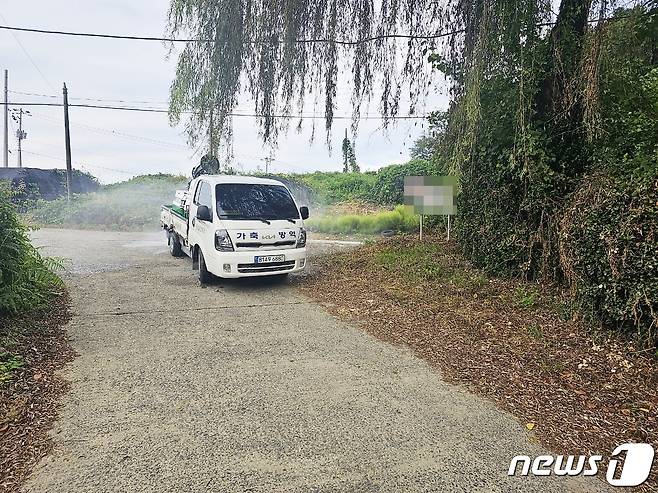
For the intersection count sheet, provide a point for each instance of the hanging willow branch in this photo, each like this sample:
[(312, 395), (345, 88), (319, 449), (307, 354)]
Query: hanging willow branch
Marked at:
[(281, 55), (280, 74)]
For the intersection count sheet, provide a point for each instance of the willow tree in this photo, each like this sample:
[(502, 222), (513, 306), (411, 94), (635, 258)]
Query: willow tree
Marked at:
[(291, 55)]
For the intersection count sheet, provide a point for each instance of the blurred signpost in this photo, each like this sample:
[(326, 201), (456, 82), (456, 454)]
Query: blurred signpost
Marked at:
[(431, 196)]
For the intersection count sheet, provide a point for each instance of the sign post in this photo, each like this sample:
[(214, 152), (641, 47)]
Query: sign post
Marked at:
[(430, 195)]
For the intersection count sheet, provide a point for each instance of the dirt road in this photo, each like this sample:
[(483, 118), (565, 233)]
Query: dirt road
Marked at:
[(247, 386)]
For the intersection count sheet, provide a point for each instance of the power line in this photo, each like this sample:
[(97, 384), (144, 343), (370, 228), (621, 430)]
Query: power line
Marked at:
[(114, 133), (83, 165), (52, 96), (256, 42), (247, 115), (34, 64), (343, 42)]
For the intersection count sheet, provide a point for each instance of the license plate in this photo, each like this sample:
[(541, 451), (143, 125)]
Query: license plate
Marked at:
[(268, 259)]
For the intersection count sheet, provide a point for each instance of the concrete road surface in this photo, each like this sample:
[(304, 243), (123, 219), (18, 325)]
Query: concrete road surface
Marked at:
[(248, 386)]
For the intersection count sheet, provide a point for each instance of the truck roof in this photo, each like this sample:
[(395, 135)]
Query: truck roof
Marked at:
[(219, 179)]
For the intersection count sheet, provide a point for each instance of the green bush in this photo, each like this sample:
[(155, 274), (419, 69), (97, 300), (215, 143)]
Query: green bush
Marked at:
[(27, 280), (399, 219), (388, 187), (130, 205), (608, 238), (330, 188), (570, 199)]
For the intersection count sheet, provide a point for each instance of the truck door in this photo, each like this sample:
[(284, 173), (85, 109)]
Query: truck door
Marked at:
[(201, 232)]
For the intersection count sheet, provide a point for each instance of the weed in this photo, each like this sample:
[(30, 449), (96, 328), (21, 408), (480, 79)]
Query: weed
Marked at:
[(27, 280), (526, 298), (8, 364)]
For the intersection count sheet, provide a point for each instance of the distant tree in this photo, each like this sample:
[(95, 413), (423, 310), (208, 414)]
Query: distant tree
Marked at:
[(349, 156), (425, 147)]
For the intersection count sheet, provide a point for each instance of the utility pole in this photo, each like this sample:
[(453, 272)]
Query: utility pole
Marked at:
[(67, 139), (5, 149), (20, 136), (268, 161)]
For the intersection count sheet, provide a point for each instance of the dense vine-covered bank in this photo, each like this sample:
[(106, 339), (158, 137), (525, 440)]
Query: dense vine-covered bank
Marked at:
[(570, 192)]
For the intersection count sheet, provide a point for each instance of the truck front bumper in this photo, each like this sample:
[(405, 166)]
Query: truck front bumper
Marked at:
[(243, 263)]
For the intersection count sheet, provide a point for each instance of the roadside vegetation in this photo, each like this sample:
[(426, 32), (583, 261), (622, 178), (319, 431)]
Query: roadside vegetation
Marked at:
[(399, 219), (27, 279), (33, 308), (130, 205)]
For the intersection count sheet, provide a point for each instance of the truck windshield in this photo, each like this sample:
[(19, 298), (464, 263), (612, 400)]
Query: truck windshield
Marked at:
[(255, 201)]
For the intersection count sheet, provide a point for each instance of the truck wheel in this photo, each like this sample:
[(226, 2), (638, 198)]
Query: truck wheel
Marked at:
[(174, 245), (205, 277)]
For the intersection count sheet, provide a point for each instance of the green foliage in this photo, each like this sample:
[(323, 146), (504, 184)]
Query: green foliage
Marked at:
[(427, 262), (535, 331), (330, 188), (130, 205), (399, 219), (27, 280), (608, 239), (418, 262), (252, 52), (388, 188), (558, 169), (8, 364), (349, 157), (526, 298)]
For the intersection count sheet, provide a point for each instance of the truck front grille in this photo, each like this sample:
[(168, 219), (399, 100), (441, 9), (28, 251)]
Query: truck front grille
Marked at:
[(272, 267), (257, 244)]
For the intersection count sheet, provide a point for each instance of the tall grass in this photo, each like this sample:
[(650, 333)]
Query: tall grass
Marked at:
[(130, 205), (27, 280), (398, 219)]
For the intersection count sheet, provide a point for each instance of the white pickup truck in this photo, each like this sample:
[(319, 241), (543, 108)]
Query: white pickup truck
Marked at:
[(237, 226)]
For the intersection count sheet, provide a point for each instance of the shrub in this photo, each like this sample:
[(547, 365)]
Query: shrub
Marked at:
[(330, 188), (27, 280), (388, 187), (608, 238)]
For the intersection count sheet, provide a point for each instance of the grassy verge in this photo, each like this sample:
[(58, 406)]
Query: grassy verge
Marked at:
[(575, 390), (399, 219)]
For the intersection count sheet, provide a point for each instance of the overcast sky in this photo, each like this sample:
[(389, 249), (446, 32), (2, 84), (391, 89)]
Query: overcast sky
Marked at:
[(116, 145)]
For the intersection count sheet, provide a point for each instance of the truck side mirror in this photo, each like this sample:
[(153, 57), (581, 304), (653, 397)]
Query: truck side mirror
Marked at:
[(203, 213), (304, 212)]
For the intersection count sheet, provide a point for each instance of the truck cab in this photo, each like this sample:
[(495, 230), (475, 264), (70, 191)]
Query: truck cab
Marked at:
[(238, 226)]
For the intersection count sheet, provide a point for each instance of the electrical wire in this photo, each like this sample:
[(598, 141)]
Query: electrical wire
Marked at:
[(247, 115), (113, 133), (251, 42), (29, 57), (52, 96), (273, 41)]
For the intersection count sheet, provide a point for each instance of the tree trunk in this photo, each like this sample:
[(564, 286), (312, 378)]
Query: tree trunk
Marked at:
[(559, 96)]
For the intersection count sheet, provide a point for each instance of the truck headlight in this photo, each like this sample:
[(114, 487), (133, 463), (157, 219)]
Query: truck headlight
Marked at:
[(301, 241), (223, 241)]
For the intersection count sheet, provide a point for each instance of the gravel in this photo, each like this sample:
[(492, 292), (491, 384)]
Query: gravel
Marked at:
[(249, 386)]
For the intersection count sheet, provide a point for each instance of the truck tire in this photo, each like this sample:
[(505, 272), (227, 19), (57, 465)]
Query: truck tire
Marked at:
[(205, 277), (174, 245)]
